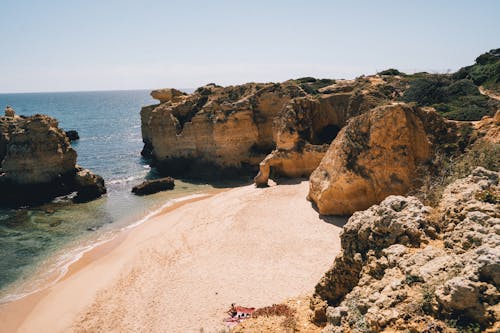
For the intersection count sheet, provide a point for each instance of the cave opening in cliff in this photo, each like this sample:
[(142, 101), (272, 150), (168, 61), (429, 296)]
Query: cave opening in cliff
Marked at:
[(327, 134)]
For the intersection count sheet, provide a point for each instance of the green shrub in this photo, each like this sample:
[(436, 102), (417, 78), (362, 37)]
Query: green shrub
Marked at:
[(486, 71), (392, 72), (445, 169), (427, 90), (456, 99), (311, 85)]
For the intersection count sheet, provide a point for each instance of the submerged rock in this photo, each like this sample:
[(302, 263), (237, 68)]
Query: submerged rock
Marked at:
[(154, 186), (37, 162)]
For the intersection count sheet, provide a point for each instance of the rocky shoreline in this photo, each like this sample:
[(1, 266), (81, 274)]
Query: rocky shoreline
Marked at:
[(38, 164)]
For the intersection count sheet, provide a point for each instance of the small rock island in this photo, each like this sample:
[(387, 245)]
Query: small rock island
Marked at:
[(38, 164)]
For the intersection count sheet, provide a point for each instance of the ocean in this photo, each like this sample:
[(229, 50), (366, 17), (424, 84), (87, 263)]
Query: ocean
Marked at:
[(39, 243)]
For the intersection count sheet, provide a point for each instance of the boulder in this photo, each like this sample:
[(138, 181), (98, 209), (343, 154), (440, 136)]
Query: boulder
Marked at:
[(9, 112), (375, 155), (154, 186), (72, 135), (89, 186), (166, 95)]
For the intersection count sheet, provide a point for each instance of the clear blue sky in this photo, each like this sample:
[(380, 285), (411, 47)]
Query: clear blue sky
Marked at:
[(106, 44)]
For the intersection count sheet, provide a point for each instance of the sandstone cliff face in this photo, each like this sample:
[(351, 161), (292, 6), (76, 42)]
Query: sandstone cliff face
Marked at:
[(404, 267), (36, 150), (236, 127), (227, 127), (315, 121), (375, 155), (38, 163)]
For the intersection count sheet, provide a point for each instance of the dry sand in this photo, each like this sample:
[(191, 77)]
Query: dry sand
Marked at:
[(180, 271)]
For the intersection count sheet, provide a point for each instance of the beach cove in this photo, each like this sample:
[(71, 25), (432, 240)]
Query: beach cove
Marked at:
[(181, 270)]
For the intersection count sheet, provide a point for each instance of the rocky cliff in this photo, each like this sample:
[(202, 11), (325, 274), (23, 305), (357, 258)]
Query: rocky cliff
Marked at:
[(307, 125), (375, 155), (285, 126), (37, 162), (215, 129), (408, 267)]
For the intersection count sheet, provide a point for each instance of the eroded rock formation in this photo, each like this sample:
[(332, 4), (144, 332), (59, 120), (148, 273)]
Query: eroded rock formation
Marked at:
[(375, 155), (284, 126), (215, 129), (405, 267), (37, 162), (315, 120)]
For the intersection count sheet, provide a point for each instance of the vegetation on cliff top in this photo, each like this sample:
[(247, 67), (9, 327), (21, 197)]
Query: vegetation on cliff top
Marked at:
[(456, 96), (485, 72), (312, 85)]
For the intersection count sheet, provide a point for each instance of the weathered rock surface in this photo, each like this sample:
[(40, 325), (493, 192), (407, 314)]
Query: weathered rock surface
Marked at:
[(166, 95), (154, 186), (89, 186), (405, 267), (290, 163), (228, 128), (313, 121), (37, 162), (375, 155), (220, 129), (9, 112), (489, 128)]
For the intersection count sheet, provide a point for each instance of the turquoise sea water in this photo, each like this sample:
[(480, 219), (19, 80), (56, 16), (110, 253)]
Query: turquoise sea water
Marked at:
[(38, 242)]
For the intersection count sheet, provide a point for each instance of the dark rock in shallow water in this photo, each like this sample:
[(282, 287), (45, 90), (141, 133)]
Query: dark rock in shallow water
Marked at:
[(153, 186), (72, 135), (89, 186)]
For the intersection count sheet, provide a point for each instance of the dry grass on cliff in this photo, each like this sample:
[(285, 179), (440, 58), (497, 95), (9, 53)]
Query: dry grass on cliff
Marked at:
[(447, 169)]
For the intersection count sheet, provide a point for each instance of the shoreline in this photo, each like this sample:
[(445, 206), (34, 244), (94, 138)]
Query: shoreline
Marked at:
[(19, 308), (232, 237)]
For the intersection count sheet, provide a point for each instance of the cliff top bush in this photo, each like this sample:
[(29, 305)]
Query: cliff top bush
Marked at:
[(447, 169), (485, 72), (311, 85), (454, 98), (392, 72)]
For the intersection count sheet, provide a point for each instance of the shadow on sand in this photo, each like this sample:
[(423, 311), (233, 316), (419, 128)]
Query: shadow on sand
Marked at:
[(336, 220)]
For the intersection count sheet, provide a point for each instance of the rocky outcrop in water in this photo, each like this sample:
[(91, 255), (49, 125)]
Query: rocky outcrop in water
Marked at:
[(37, 162), (407, 267), (72, 135), (89, 186), (375, 155), (154, 186)]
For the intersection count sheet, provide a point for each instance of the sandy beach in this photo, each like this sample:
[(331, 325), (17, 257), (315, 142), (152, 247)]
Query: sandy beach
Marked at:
[(181, 270)]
